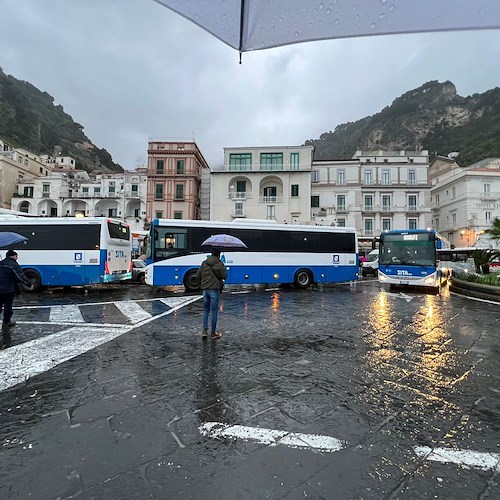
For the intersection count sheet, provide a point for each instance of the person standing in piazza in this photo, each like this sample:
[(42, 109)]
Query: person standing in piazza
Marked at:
[(11, 276)]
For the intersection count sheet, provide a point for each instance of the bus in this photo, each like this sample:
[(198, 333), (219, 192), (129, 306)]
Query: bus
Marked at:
[(64, 251), (456, 259), (277, 253), (409, 258)]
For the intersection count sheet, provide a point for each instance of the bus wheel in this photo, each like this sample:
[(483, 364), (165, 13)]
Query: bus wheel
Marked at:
[(190, 282), (34, 277), (302, 279)]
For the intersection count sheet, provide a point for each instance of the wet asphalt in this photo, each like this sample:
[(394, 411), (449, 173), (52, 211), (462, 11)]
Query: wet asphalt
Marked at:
[(385, 373)]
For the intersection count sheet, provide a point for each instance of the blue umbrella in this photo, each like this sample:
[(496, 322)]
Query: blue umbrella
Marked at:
[(8, 239), (224, 241)]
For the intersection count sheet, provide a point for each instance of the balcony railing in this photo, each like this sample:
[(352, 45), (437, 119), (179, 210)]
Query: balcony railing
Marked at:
[(239, 195), (270, 199)]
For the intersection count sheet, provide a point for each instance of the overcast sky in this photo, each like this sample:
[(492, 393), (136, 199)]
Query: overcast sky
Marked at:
[(130, 70)]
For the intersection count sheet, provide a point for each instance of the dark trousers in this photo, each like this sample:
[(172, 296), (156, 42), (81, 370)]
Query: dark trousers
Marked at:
[(6, 301)]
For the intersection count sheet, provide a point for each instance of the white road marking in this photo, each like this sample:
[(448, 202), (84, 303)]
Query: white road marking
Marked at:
[(272, 437), (67, 314), (132, 311), (20, 362), (466, 458)]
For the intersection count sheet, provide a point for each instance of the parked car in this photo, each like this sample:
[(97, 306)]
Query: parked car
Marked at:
[(138, 271), (370, 266)]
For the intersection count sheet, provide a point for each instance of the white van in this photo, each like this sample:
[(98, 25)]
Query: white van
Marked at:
[(370, 267)]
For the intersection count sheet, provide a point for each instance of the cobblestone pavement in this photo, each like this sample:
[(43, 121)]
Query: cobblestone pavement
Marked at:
[(339, 392)]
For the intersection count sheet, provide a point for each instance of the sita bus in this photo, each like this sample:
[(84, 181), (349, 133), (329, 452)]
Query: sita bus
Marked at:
[(277, 253), (409, 258), (63, 251)]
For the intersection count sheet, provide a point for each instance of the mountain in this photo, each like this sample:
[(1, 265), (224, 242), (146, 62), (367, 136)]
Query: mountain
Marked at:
[(431, 117), (30, 120)]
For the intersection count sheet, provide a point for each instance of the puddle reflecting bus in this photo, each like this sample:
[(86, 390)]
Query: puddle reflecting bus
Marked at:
[(276, 253), (409, 258), (67, 251)]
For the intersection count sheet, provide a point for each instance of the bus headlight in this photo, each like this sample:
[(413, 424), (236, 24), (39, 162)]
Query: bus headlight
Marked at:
[(382, 276), (430, 280)]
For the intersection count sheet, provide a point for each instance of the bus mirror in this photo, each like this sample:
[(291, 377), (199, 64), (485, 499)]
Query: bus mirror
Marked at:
[(156, 234)]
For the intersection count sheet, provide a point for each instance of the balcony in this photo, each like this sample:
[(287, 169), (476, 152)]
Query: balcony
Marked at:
[(491, 196), (238, 214), (239, 195), (270, 199), (367, 208)]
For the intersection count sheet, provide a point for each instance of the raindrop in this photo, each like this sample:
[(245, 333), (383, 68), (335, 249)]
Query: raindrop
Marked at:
[(391, 8), (383, 2), (337, 21), (381, 15), (372, 26), (328, 11), (321, 6)]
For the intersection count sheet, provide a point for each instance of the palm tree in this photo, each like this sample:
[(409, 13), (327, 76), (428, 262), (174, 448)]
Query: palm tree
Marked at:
[(494, 231)]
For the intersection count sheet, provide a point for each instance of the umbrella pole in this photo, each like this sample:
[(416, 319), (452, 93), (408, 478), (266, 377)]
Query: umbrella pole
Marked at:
[(242, 16)]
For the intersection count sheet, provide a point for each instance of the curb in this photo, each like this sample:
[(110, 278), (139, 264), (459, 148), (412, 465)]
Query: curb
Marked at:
[(484, 292)]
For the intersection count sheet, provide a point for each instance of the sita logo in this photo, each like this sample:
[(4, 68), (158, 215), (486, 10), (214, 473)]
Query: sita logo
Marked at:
[(402, 272)]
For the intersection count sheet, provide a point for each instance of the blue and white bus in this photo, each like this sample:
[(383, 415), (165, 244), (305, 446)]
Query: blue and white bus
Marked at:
[(64, 251), (409, 258), (277, 253)]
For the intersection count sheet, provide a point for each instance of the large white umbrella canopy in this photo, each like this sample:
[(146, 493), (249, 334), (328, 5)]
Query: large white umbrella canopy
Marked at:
[(260, 24)]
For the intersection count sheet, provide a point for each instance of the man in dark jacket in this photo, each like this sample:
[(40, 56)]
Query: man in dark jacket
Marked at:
[(211, 276), (11, 275)]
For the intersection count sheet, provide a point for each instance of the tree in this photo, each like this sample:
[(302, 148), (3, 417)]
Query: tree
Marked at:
[(494, 231)]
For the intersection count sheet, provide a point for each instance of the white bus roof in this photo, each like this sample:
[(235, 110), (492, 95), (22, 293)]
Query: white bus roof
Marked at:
[(258, 224), (55, 220)]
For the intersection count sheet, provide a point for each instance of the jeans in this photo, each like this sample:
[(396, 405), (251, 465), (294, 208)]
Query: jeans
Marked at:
[(6, 301), (210, 304)]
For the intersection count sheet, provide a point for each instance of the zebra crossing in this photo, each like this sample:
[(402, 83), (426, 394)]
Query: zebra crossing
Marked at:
[(77, 330)]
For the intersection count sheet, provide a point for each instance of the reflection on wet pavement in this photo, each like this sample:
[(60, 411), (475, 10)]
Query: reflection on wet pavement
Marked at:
[(392, 375)]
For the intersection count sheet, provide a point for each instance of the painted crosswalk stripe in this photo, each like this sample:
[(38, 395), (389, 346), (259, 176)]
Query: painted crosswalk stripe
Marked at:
[(272, 437), (21, 362), (66, 314), (132, 310), (466, 458)]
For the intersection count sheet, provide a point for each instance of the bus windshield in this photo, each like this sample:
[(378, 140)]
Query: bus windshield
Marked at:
[(418, 250)]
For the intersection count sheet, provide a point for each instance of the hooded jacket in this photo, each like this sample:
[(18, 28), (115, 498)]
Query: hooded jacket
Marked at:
[(211, 274), (10, 275)]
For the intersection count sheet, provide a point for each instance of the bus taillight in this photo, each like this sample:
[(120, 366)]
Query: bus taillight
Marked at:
[(106, 268), (130, 267)]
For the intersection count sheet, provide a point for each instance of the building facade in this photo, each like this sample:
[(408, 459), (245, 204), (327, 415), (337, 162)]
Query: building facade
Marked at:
[(464, 200), (271, 183), (174, 179), (374, 191)]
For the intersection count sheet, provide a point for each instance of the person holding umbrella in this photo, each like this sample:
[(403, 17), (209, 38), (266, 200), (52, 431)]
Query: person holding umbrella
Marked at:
[(211, 276), (11, 275)]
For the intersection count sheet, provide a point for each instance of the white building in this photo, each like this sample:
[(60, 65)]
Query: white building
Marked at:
[(69, 192), (263, 183), (374, 191), (465, 200)]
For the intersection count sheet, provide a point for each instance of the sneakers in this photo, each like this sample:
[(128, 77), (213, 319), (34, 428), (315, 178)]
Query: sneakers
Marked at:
[(9, 324), (216, 335), (205, 332)]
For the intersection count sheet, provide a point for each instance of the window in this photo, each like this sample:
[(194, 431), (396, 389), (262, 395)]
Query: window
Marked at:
[(341, 177), (386, 202), (437, 223), (314, 201), (341, 202), (241, 189), (453, 192), (368, 226), (28, 191), (437, 200), (158, 191), (270, 193), (412, 203), (97, 190), (112, 212), (315, 176), (271, 212), (238, 208), (386, 177), (369, 202), (53, 211), (412, 223), (45, 190), (179, 191), (412, 178), (487, 217), (295, 190), (137, 212), (487, 189), (177, 214), (341, 222), (159, 214), (454, 219), (85, 190), (180, 166), (111, 189), (368, 179), (160, 166), (271, 161), (386, 224), (294, 161), (135, 188), (240, 161)]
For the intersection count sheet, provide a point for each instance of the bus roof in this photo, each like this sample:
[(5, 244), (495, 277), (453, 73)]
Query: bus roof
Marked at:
[(258, 224), (57, 220)]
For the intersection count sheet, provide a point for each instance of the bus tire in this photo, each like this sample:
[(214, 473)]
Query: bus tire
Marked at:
[(303, 278), (191, 283), (34, 277)]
